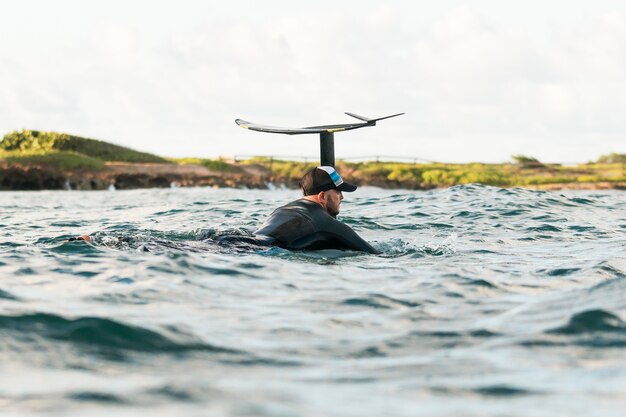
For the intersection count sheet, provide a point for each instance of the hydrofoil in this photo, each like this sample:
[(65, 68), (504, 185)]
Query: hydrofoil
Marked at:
[(326, 132)]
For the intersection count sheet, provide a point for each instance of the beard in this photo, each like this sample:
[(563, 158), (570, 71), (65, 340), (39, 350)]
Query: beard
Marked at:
[(333, 211)]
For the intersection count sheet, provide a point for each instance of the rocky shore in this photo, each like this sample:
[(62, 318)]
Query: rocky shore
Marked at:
[(125, 176)]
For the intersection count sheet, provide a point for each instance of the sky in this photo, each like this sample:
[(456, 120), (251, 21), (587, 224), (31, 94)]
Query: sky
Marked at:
[(479, 80)]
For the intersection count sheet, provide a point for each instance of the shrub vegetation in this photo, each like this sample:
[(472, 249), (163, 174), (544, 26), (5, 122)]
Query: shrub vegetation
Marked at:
[(525, 171), (613, 158), (213, 164)]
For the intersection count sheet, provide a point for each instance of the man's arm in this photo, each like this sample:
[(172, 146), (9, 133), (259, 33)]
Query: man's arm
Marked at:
[(349, 237)]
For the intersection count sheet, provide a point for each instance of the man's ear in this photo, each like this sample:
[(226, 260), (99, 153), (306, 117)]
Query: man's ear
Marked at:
[(320, 196)]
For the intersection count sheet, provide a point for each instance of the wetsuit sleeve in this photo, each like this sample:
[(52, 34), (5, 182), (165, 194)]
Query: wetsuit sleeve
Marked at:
[(349, 237), (286, 225)]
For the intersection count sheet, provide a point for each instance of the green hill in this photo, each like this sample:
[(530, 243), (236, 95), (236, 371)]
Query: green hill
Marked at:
[(33, 143)]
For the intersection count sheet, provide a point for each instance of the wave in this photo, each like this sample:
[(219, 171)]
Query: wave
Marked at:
[(5, 295), (590, 321), (379, 301), (102, 333), (98, 397), (594, 328), (502, 390), (559, 272)]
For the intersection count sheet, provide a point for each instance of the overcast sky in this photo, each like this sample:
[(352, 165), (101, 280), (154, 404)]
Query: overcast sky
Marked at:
[(479, 80)]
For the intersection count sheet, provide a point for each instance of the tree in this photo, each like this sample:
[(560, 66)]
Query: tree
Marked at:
[(527, 161), (613, 158)]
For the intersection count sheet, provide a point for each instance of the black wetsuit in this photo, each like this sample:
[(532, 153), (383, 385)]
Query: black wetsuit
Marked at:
[(304, 224)]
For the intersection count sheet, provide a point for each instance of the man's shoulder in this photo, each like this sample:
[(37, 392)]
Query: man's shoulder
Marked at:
[(297, 208), (302, 202), (287, 223), (306, 209)]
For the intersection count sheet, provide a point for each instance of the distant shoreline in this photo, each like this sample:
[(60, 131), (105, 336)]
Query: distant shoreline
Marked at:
[(35, 160), (124, 176)]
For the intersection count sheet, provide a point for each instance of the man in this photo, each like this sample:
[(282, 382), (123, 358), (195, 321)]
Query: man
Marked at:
[(310, 222)]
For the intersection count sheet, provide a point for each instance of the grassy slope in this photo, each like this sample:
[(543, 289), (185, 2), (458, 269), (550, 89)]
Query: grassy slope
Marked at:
[(66, 151), (65, 161)]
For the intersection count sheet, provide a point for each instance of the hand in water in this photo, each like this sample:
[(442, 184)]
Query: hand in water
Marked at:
[(86, 238)]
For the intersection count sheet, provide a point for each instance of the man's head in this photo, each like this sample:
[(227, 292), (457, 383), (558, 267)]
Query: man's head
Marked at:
[(325, 185)]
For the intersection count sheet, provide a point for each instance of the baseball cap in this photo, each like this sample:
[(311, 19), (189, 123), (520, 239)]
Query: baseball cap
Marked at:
[(324, 178)]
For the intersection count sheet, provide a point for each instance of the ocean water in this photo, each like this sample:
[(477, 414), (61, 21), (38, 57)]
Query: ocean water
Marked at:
[(484, 302)]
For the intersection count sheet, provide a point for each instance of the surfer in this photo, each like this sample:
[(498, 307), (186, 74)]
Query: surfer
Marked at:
[(310, 222)]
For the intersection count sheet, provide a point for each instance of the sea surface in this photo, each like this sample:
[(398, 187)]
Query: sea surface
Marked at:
[(484, 302)]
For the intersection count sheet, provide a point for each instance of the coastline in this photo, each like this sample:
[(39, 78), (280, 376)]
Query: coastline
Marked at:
[(36, 160), (124, 176)]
